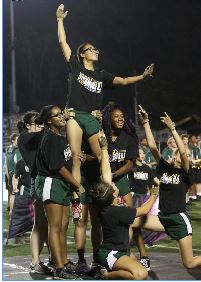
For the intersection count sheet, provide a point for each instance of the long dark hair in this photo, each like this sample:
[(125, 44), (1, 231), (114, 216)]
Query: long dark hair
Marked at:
[(46, 113), (80, 49), (28, 118), (129, 127)]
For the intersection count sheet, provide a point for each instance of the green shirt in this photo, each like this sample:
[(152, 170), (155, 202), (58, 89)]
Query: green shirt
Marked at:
[(12, 157)]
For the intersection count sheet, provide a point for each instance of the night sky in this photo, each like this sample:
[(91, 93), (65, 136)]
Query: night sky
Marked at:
[(130, 34)]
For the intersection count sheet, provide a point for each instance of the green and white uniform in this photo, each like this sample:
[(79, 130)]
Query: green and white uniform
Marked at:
[(54, 153)]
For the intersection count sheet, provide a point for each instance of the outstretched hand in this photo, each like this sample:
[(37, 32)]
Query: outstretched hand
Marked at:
[(60, 14), (148, 71), (102, 140), (167, 120), (143, 115)]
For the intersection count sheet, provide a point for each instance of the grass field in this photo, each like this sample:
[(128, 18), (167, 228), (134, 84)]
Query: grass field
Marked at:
[(162, 246)]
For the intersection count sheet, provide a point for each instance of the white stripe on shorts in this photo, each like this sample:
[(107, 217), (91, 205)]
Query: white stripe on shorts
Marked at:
[(46, 188), (111, 259), (187, 221), (21, 190)]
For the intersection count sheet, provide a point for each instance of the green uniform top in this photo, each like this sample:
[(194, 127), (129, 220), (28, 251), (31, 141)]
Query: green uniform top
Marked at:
[(167, 153), (12, 157)]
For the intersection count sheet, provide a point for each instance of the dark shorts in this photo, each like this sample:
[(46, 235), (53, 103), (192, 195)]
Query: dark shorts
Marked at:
[(177, 225), (107, 258), (87, 122), (52, 190), (123, 185), (86, 197)]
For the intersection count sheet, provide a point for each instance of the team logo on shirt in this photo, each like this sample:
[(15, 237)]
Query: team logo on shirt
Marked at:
[(118, 156), (26, 168), (67, 154), (140, 175), (90, 83), (170, 179)]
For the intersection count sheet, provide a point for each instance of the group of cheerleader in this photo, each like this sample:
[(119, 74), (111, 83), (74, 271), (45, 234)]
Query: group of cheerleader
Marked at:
[(90, 160)]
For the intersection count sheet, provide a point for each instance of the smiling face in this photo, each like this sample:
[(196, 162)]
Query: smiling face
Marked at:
[(141, 156), (117, 119), (89, 53), (56, 119)]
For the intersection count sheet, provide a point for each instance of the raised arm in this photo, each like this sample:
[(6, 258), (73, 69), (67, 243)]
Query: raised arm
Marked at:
[(105, 163), (61, 32), (133, 79), (143, 116), (182, 150)]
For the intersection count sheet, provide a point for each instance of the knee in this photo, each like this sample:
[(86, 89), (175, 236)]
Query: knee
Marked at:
[(55, 228), (141, 274), (81, 223), (188, 264)]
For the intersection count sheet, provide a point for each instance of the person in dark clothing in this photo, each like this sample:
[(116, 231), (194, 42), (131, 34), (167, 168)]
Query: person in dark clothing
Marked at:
[(30, 134), (86, 84), (123, 147), (54, 183), (175, 179), (115, 221)]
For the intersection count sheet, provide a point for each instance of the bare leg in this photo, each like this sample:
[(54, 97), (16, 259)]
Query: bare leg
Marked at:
[(54, 214), (74, 135), (63, 234), (94, 145), (80, 229), (137, 235), (125, 268), (149, 222), (185, 247), (39, 232)]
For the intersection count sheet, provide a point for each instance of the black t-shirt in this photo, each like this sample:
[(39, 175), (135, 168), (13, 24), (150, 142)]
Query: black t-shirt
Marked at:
[(115, 221), (22, 171), (85, 86), (28, 145), (141, 178), (53, 153), (123, 148), (174, 183)]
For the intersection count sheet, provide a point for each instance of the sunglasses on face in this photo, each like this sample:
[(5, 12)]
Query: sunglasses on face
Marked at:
[(37, 125), (57, 115), (92, 49)]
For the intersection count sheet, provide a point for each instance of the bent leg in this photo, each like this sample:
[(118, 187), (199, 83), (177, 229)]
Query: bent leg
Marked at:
[(185, 247), (149, 222), (127, 268)]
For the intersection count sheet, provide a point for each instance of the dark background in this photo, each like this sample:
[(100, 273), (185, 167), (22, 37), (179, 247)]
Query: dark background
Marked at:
[(130, 34)]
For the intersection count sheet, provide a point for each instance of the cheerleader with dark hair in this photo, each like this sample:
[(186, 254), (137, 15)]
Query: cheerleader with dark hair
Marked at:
[(31, 130), (53, 185), (122, 146), (86, 84)]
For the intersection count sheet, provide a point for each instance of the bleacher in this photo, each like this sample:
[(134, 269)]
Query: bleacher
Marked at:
[(10, 126)]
